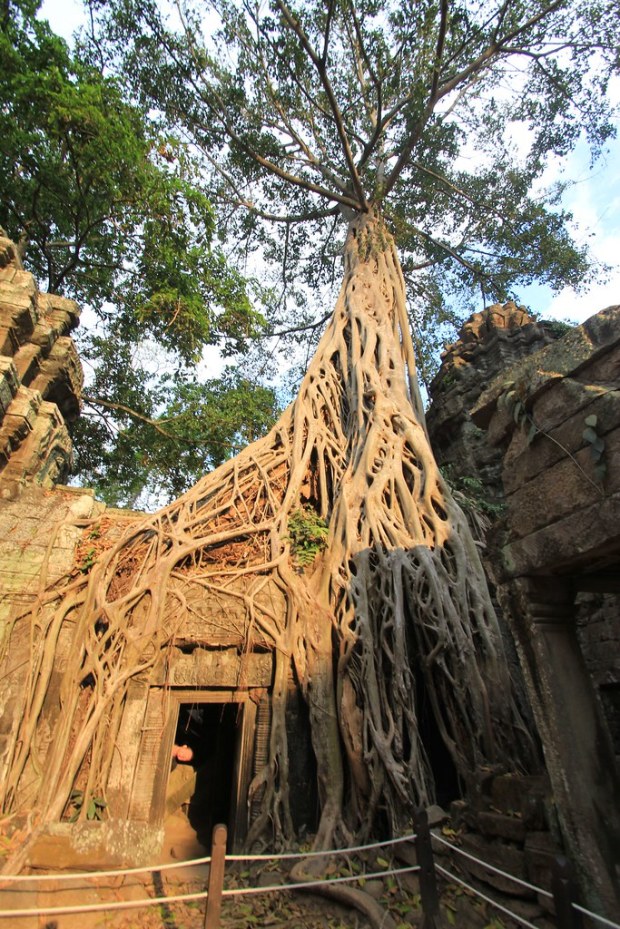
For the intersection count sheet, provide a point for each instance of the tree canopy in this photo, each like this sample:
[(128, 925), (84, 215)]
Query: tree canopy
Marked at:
[(108, 209), (441, 115)]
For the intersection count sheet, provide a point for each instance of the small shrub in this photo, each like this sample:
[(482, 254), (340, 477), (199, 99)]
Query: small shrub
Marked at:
[(307, 535)]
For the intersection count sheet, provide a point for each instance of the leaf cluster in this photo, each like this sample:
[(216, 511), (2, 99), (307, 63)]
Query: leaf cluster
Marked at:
[(441, 115), (95, 807), (308, 534), (148, 436)]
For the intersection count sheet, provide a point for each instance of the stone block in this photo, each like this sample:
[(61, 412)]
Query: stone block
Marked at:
[(62, 313), (524, 462), (96, 846), (563, 489), (580, 538), (507, 858), (540, 850), (217, 668), (509, 792), (9, 258), (8, 343), (511, 828), (60, 378), (9, 382), (44, 335), (27, 362), (18, 309)]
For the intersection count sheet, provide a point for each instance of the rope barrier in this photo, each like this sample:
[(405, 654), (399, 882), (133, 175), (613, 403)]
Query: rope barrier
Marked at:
[(103, 907), (478, 893), (490, 867), (241, 891), (201, 895), (333, 851), (600, 919), (300, 885), (17, 878)]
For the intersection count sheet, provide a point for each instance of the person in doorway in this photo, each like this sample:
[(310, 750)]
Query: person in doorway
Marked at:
[(183, 753)]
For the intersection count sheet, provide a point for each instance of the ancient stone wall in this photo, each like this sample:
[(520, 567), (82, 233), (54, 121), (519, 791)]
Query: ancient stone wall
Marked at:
[(40, 379), (555, 416), (40, 383), (550, 427), (489, 342)]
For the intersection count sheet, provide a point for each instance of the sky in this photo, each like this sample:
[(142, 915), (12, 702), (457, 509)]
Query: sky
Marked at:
[(593, 199)]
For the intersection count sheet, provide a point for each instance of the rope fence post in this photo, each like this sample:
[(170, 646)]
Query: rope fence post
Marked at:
[(563, 888), (428, 878), (216, 877)]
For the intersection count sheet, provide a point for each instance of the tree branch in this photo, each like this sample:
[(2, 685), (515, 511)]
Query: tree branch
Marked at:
[(320, 65), (430, 106)]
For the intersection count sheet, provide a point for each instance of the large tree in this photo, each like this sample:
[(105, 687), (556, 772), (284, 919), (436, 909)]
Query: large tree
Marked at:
[(356, 126)]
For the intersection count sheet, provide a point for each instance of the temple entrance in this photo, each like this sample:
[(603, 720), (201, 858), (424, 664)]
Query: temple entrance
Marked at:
[(212, 733)]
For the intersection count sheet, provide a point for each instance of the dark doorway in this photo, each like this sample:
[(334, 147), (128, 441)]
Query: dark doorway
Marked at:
[(444, 771), (212, 731)]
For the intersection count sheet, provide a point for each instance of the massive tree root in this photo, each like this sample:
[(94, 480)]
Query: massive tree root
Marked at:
[(396, 602)]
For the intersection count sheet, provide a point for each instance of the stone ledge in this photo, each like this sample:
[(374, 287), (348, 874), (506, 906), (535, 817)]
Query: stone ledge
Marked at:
[(97, 846)]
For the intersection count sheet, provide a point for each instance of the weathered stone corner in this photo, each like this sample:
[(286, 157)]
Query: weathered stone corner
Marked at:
[(40, 379)]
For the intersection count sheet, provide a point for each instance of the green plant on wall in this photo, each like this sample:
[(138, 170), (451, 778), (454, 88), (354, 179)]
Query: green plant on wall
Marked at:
[(514, 404), (94, 811), (473, 495), (597, 446), (307, 535)]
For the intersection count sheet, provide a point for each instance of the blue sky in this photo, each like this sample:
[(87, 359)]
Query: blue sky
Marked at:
[(594, 200)]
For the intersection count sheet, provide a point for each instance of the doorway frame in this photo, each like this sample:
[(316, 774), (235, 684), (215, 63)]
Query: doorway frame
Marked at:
[(242, 761)]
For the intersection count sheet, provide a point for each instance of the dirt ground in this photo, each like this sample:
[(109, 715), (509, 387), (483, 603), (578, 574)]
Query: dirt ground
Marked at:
[(398, 895)]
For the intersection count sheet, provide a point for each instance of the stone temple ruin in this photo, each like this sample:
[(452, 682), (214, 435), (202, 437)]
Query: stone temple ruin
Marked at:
[(537, 420), (510, 406)]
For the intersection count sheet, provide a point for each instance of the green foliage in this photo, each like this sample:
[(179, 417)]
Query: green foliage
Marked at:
[(558, 327), (157, 435), (107, 207), (596, 444), (95, 810), (294, 116), (308, 534), (304, 112), (472, 494)]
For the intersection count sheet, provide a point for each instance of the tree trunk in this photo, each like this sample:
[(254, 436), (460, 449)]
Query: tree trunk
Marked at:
[(395, 605)]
